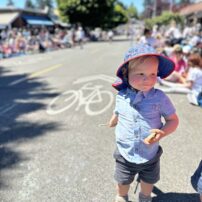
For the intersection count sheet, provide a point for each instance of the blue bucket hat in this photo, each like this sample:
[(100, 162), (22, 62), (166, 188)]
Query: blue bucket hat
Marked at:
[(165, 68)]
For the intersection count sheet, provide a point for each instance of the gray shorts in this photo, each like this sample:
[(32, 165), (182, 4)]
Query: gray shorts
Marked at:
[(148, 172)]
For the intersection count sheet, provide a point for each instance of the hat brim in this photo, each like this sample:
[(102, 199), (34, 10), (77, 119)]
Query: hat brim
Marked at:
[(120, 84), (165, 68)]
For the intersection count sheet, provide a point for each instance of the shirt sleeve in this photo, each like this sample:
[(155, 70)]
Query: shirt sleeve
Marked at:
[(167, 107), (119, 101), (191, 75), (116, 109)]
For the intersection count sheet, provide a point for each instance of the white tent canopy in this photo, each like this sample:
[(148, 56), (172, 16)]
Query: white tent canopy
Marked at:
[(7, 18)]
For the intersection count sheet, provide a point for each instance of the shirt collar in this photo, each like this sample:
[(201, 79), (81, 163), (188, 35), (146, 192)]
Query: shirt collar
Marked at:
[(149, 93), (144, 93)]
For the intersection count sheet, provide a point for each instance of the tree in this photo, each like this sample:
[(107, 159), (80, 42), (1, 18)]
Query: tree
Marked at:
[(120, 15), (29, 4), (164, 19), (90, 13), (132, 11), (10, 3), (43, 3)]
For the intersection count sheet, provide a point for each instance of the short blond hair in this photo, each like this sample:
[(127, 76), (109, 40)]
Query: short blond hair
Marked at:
[(135, 62)]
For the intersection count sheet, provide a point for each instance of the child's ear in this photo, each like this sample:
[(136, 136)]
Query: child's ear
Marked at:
[(125, 72)]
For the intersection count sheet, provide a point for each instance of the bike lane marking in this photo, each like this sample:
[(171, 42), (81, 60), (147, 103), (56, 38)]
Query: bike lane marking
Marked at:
[(35, 74), (94, 97)]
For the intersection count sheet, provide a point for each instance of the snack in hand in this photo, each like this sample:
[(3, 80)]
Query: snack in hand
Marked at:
[(150, 138)]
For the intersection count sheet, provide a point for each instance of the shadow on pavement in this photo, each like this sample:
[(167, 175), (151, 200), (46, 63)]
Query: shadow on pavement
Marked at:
[(174, 197), (18, 100)]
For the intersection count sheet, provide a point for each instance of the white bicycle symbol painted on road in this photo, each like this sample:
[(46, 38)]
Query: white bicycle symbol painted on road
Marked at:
[(94, 98)]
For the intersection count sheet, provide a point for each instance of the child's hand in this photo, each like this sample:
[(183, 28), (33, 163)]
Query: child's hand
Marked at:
[(113, 121), (155, 136)]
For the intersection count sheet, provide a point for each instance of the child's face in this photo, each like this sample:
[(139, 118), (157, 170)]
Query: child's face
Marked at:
[(179, 56), (143, 76)]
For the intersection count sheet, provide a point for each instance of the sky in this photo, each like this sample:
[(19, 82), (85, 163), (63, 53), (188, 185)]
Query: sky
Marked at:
[(136, 3)]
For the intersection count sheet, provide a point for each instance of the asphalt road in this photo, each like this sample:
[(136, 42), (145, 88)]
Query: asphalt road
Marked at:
[(54, 144)]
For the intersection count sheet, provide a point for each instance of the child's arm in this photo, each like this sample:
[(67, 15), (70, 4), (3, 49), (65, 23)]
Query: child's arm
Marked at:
[(113, 121), (169, 127), (171, 124)]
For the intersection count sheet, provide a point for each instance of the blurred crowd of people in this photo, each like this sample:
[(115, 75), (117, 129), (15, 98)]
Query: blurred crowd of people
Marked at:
[(184, 47), (163, 38), (20, 41), (16, 41)]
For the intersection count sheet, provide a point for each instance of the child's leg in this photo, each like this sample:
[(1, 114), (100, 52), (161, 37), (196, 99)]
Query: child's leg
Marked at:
[(201, 197), (122, 190), (146, 188), (122, 193), (145, 192), (124, 175), (149, 175)]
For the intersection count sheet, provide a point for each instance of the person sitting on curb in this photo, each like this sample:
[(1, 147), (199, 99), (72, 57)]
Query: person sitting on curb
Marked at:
[(193, 84), (179, 74)]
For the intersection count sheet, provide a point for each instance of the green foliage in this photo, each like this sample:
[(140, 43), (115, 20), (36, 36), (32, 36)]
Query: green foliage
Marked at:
[(119, 15), (91, 13), (43, 3), (29, 4), (132, 11), (164, 19), (95, 13)]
